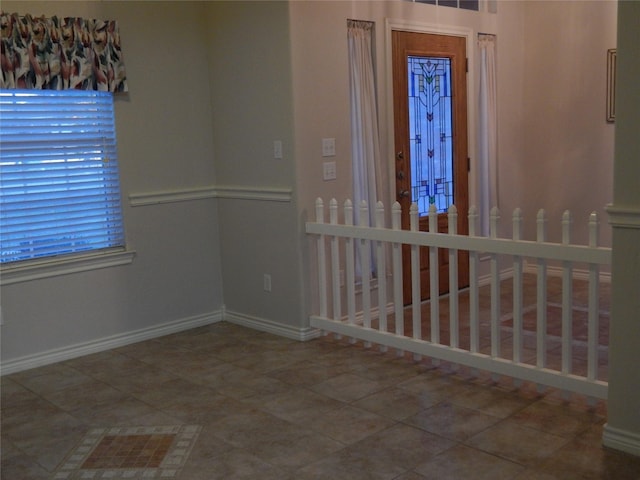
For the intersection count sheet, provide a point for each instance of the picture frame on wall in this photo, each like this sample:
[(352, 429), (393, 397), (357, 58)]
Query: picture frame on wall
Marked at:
[(611, 85)]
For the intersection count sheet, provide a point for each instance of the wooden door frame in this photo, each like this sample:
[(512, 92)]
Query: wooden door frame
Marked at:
[(469, 36)]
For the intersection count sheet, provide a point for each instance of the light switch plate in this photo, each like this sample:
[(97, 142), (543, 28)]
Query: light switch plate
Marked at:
[(328, 147), (329, 171)]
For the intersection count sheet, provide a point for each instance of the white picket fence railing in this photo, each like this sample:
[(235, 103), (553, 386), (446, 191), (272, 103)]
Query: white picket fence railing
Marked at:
[(370, 320)]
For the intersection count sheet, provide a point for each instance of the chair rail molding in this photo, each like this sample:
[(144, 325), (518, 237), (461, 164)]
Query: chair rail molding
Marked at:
[(238, 192), (244, 192), (622, 216)]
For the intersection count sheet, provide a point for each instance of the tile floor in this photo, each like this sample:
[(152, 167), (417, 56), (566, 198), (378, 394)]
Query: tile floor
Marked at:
[(265, 407)]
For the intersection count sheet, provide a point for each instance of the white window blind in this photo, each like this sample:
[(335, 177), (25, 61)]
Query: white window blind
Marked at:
[(59, 182)]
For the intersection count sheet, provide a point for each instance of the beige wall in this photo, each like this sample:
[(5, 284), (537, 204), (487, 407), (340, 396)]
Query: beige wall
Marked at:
[(250, 73), (511, 113), (568, 145), (250, 70)]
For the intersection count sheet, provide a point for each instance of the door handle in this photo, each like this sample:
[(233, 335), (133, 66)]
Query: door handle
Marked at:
[(399, 155), (404, 194)]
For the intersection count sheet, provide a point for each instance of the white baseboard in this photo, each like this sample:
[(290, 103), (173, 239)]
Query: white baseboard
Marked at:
[(622, 440), (375, 314), (553, 271), (577, 273), (484, 280), (94, 346), (269, 326)]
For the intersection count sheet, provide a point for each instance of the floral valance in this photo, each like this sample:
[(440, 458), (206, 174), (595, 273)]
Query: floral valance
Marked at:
[(61, 53)]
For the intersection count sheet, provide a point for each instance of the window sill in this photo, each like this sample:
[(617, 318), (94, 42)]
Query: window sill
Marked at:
[(64, 266)]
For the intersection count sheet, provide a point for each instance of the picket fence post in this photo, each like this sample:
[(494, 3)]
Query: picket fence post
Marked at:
[(381, 274), (396, 224)]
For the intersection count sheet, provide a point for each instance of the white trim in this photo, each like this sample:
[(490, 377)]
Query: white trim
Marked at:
[(437, 29), (554, 271), (269, 326), (107, 343), (375, 314), (623, 217), (504, 274), (171, 196), (254, 193), (53, 267), (622, 440), (215, 191), (532, 268), (423, 27)]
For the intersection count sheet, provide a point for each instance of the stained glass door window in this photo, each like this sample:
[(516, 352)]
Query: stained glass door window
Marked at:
[(430, 132)]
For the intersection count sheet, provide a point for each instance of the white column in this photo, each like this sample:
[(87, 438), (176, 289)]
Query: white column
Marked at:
[(622, 430)]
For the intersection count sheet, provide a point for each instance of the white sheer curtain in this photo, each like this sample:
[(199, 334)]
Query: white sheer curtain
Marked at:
[(488, 131), (365, 147)]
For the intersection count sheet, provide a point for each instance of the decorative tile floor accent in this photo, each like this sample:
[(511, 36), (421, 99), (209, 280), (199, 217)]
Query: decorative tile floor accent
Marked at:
[(130, 453)]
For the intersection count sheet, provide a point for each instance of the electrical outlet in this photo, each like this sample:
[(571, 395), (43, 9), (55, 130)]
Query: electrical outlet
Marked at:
[(266, 282)]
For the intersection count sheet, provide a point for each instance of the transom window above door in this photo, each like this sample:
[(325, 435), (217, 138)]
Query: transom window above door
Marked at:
[(464, 4)]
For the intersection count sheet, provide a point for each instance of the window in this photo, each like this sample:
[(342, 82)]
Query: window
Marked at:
[(431, 132), (464, 4), (59, 182)]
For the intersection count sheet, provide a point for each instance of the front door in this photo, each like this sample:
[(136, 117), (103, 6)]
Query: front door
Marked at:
[(430, 128)]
